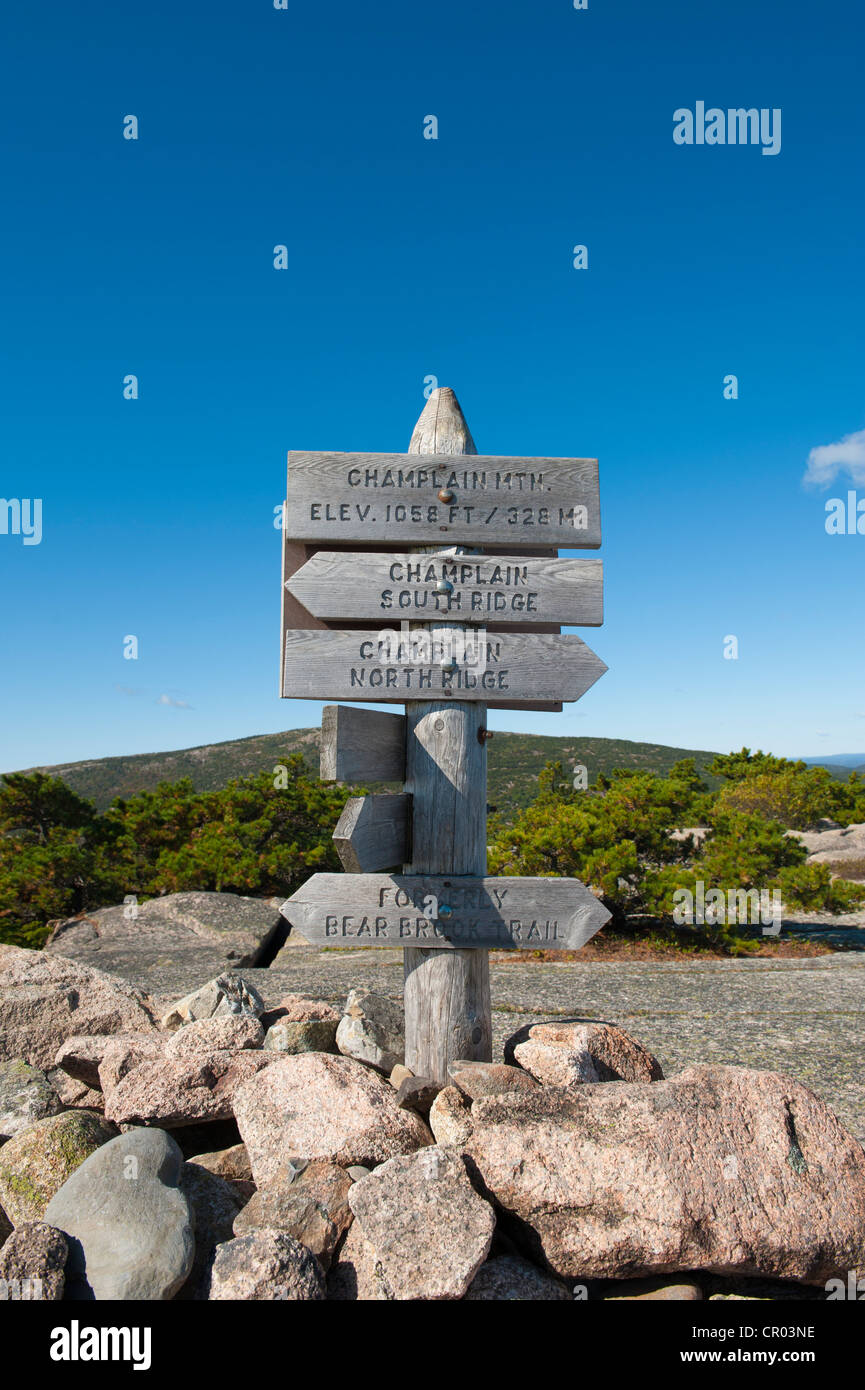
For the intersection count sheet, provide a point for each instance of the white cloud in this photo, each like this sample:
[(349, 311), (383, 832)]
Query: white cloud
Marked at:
[(828, 460), (174, 704)]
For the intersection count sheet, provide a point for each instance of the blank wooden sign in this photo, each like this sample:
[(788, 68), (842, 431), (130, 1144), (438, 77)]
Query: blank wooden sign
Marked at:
[(447, 912), (427, 499), (389, 665), (343, 586), (362, 745)]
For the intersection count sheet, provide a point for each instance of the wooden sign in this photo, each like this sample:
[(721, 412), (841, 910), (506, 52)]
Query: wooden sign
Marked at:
[(436, 663), (361, 745), (450, 913), (447, 500), (297, 618), (347, 585), (374, 832)]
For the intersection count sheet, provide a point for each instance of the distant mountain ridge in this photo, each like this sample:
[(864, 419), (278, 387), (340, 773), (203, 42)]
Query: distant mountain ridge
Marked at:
[(514, 763), (841, 764)]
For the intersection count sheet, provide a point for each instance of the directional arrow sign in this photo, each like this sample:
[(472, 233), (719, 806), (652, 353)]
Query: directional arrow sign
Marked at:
[(429, 498), (451, 913), (373, 832), (343, 586), (390, 665)]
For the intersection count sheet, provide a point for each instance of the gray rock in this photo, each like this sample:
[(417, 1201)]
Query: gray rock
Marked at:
[(39, 1160), (215, 1204), (129, 1225), (33, 1263), (508, 1278), (417, 1093), (372, 1030), (309, 1035), (831, 842), (267, 1266), (227, 994), (183, 936), (45, 999), (428, 1228), (26, 1095)]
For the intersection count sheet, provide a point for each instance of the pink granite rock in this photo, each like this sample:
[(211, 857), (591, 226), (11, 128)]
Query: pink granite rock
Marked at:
[(81, 1056), (312, 1206), (295, 1008), (227, 1033), (476, 1079), (429, 1230), (719, 1168), (45, 999), (312, 1105), (450, 1117), (175, 1091), (570, 1054), (265, 1266)]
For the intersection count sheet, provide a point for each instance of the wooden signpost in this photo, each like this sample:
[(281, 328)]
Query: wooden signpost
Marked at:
[(466, 596)]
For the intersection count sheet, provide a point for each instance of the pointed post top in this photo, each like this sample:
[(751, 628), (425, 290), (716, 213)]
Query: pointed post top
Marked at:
[(441, 426)]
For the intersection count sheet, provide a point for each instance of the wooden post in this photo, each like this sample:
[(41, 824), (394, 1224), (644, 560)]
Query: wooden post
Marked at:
[(447, 993)]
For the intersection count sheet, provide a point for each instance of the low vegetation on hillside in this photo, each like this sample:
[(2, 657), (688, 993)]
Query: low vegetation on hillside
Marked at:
[(263, 835), (514, 763), (618, 836), (60, 856)]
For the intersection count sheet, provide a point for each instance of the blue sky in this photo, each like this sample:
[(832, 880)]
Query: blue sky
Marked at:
[(410, 257)]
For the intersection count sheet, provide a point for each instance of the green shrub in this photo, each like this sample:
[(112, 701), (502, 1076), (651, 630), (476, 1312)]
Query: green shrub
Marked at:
[(811, 888), (59, 857)]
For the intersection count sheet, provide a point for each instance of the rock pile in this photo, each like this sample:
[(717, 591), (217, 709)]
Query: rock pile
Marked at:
[(571, 1169)]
